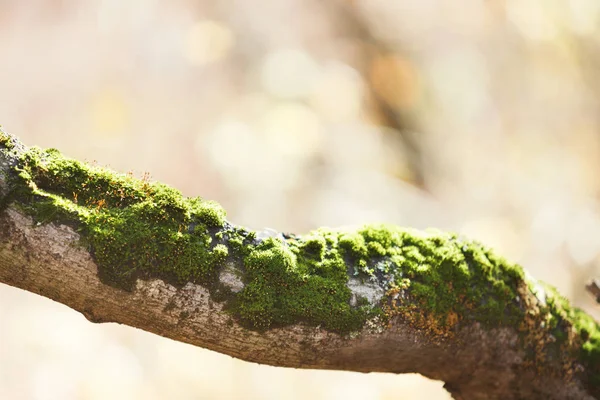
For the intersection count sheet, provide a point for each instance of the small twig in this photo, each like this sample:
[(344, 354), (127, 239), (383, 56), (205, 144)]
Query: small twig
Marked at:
[(594, 288)]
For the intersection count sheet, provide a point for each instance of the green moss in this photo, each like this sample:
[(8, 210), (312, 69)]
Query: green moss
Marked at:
[(298, 281), (572, 325), (5, 141), (440, 272), (440, 281), (134, 228)]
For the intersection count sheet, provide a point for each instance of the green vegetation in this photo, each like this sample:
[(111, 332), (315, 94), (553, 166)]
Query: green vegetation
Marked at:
[(441, 272), (133, 227), (572, 326), (299, 281), (438, 281)]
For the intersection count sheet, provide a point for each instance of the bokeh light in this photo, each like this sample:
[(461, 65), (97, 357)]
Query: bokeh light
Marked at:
[(294, 114)]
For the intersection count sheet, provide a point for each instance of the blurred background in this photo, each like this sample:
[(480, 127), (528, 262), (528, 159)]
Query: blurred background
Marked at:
[(294, 114)]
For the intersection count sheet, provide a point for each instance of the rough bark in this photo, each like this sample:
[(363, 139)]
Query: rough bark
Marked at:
[(475, 360)]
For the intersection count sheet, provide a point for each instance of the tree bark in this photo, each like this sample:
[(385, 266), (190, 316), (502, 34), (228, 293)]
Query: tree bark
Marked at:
[(476, 360)]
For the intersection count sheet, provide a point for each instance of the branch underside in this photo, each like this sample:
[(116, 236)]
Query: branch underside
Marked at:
[(374, 299)]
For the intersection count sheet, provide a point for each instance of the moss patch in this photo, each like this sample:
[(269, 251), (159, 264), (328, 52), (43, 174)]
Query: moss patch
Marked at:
[(575, 332), (134, 228), (302, 280), (439, 272), (441, 281)]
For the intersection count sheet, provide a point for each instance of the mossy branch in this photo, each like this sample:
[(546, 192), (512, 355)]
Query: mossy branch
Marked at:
[(373, 299)]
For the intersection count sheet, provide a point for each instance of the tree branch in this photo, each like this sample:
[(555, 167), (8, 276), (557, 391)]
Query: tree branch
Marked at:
[(594, 289), (374, 299)]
